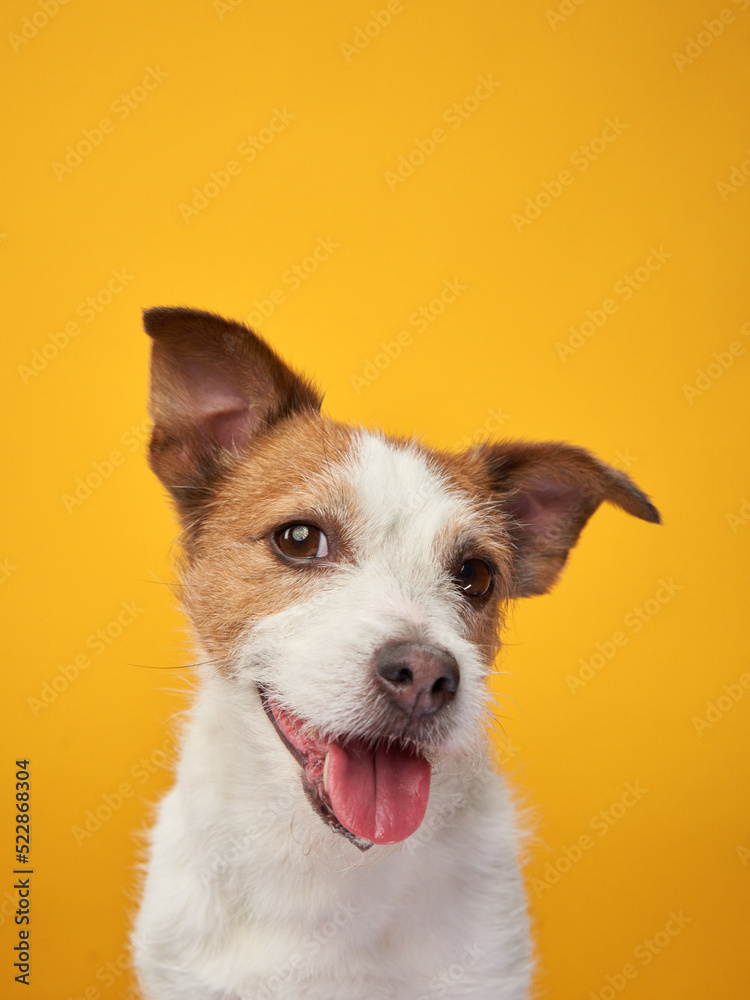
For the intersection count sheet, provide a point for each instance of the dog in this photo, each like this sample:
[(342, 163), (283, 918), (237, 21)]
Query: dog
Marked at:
[(337, 830)]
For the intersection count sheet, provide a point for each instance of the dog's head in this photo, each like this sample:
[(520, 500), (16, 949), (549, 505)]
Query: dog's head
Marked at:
[(355, 580)]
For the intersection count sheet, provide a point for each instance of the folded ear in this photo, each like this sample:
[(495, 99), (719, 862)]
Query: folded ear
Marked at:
[(549, 491), (215, 385)]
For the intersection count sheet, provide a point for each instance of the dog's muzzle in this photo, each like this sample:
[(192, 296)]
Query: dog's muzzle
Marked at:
[(375, 790)]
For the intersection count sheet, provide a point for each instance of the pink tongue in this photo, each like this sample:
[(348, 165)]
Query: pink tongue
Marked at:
[(379, 796)]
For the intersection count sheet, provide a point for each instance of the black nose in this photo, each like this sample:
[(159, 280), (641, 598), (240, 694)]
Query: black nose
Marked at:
[(417, 678)]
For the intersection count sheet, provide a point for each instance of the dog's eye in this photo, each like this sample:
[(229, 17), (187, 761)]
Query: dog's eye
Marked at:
[(302, 541), (474, 577)]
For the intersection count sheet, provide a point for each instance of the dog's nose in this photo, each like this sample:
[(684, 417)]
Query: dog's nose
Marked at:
[(417, 678)]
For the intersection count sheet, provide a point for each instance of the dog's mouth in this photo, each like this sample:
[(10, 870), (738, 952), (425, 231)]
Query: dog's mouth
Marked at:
[(371, 794)]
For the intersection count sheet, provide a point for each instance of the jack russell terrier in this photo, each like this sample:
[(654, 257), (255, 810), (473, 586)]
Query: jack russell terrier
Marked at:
[(336, 830)]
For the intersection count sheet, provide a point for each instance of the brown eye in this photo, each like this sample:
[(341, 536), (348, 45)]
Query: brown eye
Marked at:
[(302, 541), (474, 577)]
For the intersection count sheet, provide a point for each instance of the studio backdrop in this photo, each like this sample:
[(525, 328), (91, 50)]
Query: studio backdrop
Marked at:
[(465, 221)]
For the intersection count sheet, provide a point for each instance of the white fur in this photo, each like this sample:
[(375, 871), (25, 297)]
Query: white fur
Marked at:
[(249, 894)]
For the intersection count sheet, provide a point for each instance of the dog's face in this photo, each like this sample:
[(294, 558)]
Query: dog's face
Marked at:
[(355, 582)]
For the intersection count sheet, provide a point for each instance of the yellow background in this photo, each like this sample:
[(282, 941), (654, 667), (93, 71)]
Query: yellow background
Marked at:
[(491, 361)]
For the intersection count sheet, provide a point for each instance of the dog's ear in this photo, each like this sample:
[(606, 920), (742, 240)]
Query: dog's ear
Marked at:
[(549, 491), (215, 385)]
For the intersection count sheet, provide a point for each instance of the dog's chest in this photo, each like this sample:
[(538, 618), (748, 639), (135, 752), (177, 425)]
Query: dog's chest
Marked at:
[(284, 909), (426, 918)]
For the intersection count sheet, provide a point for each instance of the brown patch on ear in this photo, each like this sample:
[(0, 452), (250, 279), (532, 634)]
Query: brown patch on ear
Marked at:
[(550, 490), (215, 385)]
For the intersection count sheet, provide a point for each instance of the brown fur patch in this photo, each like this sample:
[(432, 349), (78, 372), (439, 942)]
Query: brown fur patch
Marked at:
[(484, 618), (232, 576)]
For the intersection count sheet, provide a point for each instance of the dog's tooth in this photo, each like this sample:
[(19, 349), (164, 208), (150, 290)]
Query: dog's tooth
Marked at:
[(325, 772)]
